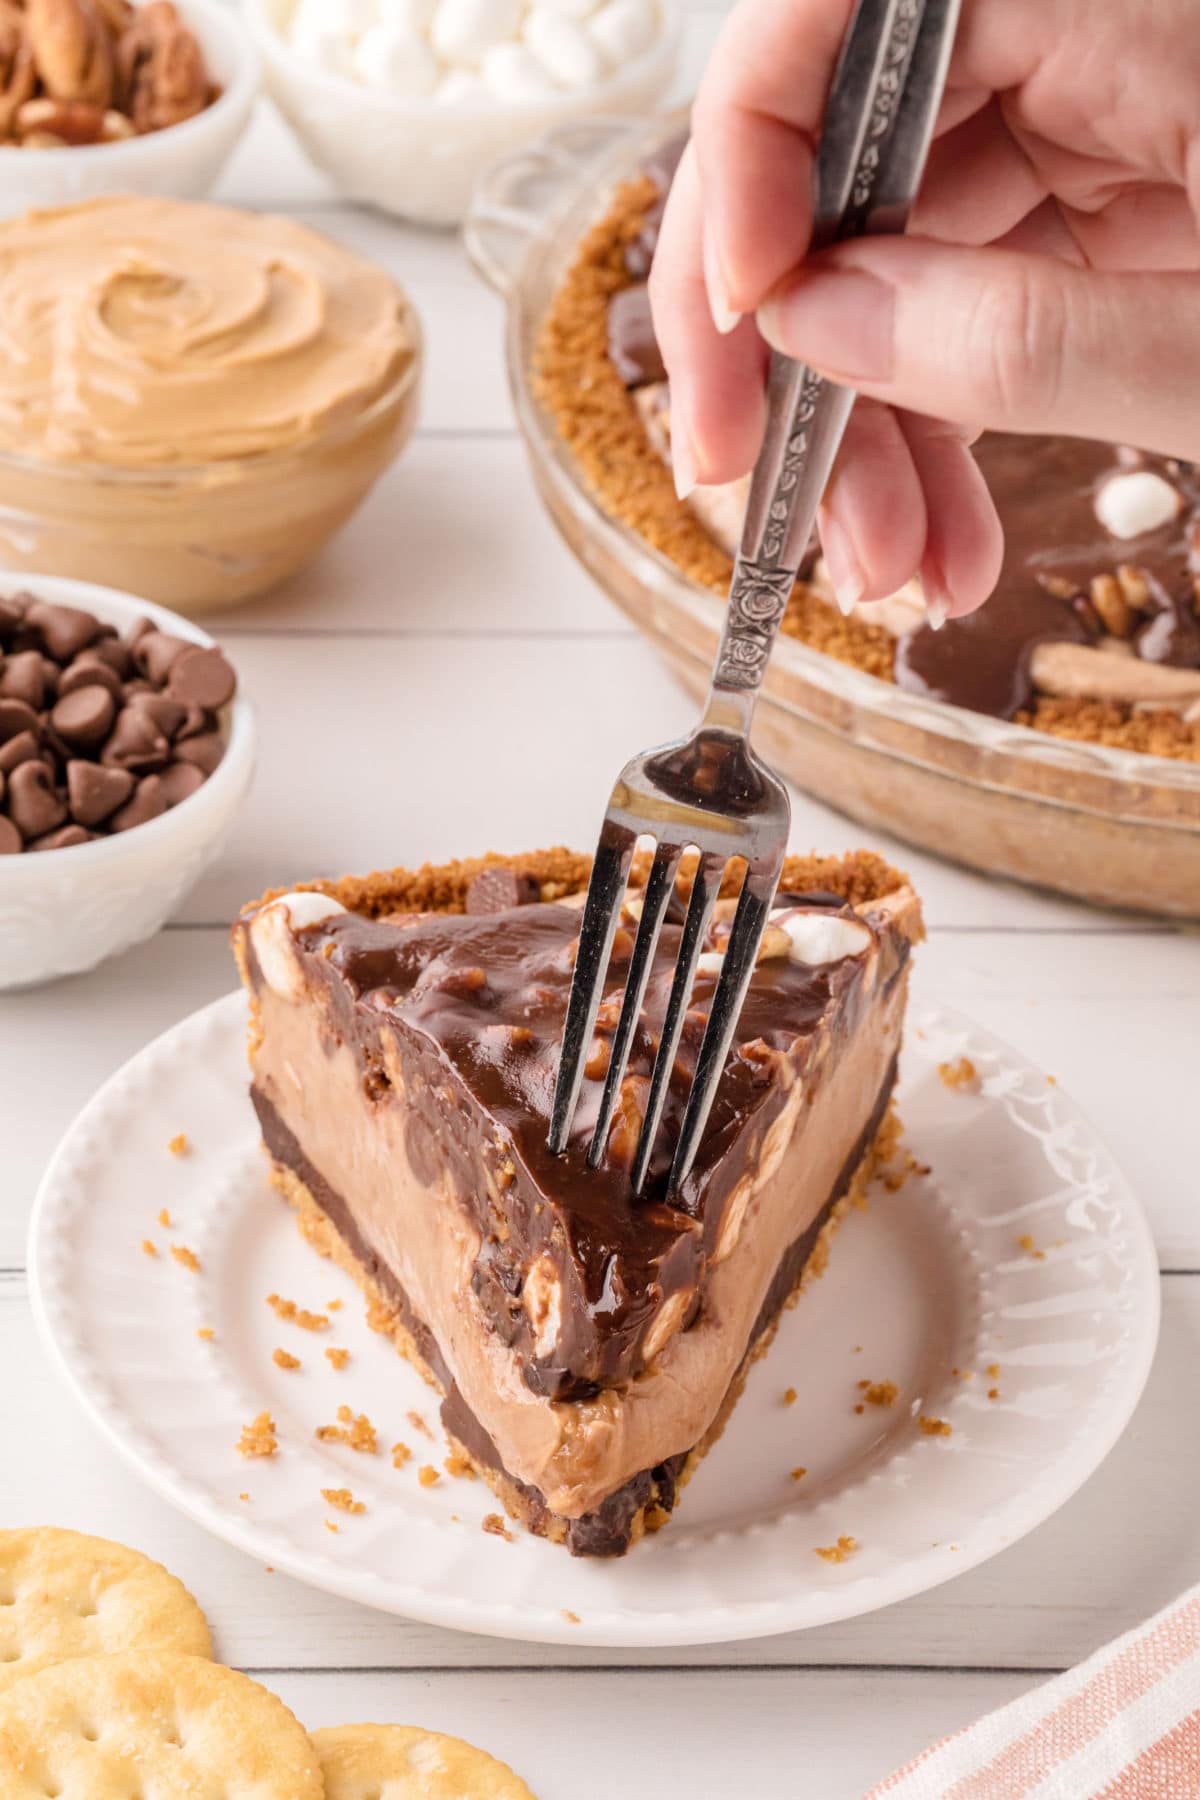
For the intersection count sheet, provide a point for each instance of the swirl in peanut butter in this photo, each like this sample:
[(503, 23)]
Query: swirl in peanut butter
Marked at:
[(136, 333)]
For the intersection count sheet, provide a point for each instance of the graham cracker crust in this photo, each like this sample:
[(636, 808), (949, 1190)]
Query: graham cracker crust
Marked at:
[(521, 1502)]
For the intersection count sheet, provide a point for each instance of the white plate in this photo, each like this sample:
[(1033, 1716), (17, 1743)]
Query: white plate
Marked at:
[(926, 1281)]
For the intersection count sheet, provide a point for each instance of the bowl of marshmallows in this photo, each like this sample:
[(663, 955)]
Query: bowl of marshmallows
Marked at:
[(404, 102)]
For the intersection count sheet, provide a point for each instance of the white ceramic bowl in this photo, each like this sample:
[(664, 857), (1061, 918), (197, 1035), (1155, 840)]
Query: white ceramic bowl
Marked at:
[(62, 911), (421, 158), (183, 160)]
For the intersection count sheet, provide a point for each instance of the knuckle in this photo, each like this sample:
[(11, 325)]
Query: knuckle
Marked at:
[(1016, 343)]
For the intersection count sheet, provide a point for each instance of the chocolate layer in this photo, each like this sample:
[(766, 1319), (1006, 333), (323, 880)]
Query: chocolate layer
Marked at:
[(484, 998), (607, 1530)]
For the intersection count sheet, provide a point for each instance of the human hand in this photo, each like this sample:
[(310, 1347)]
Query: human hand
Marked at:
[(1050, 281)]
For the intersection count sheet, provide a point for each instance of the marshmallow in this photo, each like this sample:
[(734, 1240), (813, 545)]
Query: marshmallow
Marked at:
[(271, 931), (460, 85), (710, 962), (624, 29), (325, 46), (406, 15), (464, 30), (340, 18), (821, 937), (1135, 502), (564, 47), (400, 61), (514, 74), (570, 9)]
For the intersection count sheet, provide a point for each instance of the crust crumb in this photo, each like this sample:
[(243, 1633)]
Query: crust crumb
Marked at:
[(1026, 1243), (572, 1618), (258, 1438), (178, 1145), (206, 1334), (330, 1526), (291, 1314), (790, 1397), (149, 1248), (840, 1552), (187, 1257), (799, 1473), (337, 1356), (494, 1523), (164, 1219), (333, 1305), (961, 1074), (427, 1475), (934, 1427), (878, 1393), (400, 1455), (283, 1359), (343, 1499), (416, 1420), (993, 1393), (358, 1432), (461, 1466), (993, 1370), (243, 1496)]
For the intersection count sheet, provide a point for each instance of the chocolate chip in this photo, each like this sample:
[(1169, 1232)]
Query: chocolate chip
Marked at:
[(89, 670), (139, 685), (198, 720), (33, 805), (94, 792), (202, 678), (147, 803), (15, 717), (65, 838), (138, 630), (117, 655), (10, 837), (155, 652), (497, 889), (167, 714), (23, 678), (84, 719), (22, 748), (136, 742), (205, 751), (64, 630), (12, 617), (179, 781)]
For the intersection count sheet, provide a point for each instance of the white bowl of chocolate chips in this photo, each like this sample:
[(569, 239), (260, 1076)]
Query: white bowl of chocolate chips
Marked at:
[(124, 755)]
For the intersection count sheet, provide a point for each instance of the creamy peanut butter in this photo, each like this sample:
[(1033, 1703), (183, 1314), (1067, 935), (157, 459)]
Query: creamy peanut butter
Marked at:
[(141, 332), (192, 398)]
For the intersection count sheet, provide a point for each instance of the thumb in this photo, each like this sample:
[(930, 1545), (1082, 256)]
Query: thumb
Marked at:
[(1000, 338)]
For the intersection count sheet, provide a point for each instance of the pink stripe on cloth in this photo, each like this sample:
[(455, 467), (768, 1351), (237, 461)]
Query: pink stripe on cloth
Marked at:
[(1052, 1725), (1168, 1770)]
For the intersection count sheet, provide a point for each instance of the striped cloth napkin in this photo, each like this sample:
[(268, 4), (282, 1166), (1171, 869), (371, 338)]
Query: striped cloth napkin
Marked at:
[(1125, 1725)]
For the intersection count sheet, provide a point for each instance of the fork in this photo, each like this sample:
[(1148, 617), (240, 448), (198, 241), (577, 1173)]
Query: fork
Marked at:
[(709, 792)]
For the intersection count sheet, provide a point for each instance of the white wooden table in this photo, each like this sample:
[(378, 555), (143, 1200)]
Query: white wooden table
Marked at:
[(426, 691)]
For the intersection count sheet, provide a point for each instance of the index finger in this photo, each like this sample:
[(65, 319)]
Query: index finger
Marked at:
[(755, 127)]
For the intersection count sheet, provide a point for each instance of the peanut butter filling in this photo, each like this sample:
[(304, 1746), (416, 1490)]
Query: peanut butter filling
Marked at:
[(141, 333)]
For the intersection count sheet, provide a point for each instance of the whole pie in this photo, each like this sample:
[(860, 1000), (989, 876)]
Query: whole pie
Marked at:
[(1092, 632), (588, 1345)]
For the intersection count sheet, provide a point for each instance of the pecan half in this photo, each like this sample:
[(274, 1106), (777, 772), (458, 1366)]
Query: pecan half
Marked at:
[(18, 77), (72, 49), (161, 71)]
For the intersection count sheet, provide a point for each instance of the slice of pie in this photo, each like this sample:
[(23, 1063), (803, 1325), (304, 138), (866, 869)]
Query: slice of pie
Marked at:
[(588, 1345)]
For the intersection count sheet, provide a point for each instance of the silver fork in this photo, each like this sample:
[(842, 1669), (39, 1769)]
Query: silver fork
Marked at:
[(709, 792)]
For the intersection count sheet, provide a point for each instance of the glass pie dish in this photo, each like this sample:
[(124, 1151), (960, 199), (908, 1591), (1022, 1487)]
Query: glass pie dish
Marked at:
[(1110, 826)]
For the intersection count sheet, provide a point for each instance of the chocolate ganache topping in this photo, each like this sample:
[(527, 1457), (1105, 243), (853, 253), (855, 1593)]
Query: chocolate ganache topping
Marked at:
[(1049, 492), (487, 997)]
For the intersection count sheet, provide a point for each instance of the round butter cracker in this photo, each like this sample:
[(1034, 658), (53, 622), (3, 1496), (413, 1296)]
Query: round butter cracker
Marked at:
[(152, 1724), (63, 1595), (401, 1762)]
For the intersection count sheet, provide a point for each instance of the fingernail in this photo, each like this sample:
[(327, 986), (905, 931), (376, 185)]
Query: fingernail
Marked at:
[(839, 320), (683, 456), (845, 571), (724, 316), (937, 600)]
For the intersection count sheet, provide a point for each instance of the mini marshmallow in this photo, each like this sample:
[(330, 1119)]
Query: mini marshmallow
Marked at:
[(1135, 502), (564, 47), (271, 931), (624, 29), (325, 46), (570, 9), (514, 74), (399, 61), (710, 962), (464, 30), (406, 15), (340, 18), (460, 85), (821, 937)]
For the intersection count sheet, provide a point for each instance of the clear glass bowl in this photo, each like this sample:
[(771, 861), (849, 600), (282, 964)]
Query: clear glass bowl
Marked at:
[(204, 536), (1108, 826)]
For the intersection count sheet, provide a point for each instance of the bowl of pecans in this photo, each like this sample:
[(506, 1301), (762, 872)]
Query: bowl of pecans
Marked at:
[(103, 96), (126, 752)]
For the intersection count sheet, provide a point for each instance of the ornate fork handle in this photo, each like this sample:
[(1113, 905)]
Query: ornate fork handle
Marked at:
[(867, 172)]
